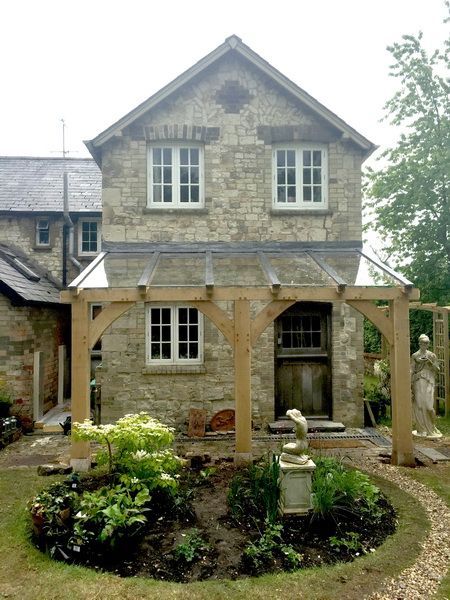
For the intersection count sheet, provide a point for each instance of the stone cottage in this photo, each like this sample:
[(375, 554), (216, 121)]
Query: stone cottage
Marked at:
[(231, 155), (50, 229)]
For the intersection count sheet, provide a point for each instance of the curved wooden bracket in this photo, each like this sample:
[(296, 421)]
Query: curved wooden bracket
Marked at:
[(266, 316), (378, 317), (218, 316), (108, 315)]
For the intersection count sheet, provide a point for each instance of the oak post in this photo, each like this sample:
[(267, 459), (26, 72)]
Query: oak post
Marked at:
[(242, 381), (402, 441), (80, 453)]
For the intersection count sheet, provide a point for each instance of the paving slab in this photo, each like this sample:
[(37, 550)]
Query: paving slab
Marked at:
[(433, 454)]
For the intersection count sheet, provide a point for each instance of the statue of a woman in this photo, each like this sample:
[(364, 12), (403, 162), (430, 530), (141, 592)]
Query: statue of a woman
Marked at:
[(294, 452), (424, 367)]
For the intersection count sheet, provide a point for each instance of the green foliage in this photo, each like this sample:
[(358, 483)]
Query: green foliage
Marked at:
[(142, 463), (351, 542), (372, 337), (193, 547), (254, 492), (137, 446), (337, 489), (408, 201), (109, 514), (259, 555)]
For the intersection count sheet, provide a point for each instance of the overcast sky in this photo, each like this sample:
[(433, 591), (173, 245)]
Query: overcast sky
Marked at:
[(92, 61)]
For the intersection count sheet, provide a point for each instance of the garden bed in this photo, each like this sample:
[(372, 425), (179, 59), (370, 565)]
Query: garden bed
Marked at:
[(144, 519)]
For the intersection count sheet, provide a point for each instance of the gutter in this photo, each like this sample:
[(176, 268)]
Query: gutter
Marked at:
[(69, 227)]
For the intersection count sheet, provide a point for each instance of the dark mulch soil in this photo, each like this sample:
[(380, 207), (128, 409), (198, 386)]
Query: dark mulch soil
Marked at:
[(205, 511)]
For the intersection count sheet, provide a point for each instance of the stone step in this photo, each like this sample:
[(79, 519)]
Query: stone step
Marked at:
[(433, 454), (314, 426)]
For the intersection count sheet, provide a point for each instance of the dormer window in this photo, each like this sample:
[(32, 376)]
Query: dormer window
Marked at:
[(300, 177), (42, 233), (175, 177)]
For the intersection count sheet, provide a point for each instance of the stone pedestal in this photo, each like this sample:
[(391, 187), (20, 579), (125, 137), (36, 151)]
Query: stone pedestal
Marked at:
[(295, 487)]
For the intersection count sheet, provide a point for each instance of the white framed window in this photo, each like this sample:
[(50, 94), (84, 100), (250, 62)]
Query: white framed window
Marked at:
[(88, 236), (300, 177), (174, 335), (43, 233), (175, 176)]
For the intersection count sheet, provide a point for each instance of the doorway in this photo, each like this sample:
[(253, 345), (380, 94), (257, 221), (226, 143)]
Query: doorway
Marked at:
[(303, 360)]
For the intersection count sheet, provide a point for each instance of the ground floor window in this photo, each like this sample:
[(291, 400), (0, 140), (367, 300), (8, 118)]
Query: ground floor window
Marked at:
[(174, 335)]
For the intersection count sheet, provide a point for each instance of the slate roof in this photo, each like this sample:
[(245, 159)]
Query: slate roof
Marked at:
[(23, 280), (34, 184)]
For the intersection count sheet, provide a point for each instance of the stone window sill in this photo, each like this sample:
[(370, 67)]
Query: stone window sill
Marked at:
[(42, 248), (173, 369), (176, 211), (317, 212)]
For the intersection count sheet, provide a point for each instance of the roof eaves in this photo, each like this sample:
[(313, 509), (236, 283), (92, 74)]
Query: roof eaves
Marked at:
[(145, 106), (231, 43)]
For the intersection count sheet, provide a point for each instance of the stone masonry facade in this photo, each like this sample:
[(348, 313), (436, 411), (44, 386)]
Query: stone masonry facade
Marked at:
[(20, 231), (239, 116), (23, 331)]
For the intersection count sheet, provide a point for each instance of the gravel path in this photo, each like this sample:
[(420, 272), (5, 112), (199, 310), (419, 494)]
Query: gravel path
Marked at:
[(422, 579)]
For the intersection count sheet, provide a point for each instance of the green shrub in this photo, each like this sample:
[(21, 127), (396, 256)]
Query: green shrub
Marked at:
[(192, 548), (109, 514), (337, 489), (259, 555), (136, 446), (254, 491)]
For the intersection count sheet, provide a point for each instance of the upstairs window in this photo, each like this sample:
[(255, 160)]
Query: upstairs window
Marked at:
[(43, 233), (300, 177), (174, 335), (175, 176), (89, 237)]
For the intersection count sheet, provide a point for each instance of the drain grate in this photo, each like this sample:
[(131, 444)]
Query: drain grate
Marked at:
[(358, 434)]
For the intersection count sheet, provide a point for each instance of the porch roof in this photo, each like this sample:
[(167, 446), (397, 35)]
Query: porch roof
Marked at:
[(273, 266)]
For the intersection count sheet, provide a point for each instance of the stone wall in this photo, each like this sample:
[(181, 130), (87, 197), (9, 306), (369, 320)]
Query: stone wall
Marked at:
[(168, 392), (239, 115), (238, 168), (20, 231), (129, 385), (23, 331)]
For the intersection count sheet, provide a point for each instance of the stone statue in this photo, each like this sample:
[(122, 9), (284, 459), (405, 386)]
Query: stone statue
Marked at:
[(424, 367), (294, 452)]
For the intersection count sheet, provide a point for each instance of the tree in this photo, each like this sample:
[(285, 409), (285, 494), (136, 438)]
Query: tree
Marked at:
[(409, 199)]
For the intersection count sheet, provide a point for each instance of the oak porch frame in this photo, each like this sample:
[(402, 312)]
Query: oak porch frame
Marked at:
[(242, 334)]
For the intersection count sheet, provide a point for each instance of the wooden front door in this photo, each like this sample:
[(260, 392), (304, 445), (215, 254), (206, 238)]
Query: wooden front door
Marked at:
[(302, 360)]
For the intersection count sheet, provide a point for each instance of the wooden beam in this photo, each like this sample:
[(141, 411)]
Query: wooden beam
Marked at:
[(81, 405), (219, 317), (209, 272), (402, 441), (105, 318), (242, 380), (376, 316), (269, 272), (186, 294), (266, 316), (147, 274), (341, 283)]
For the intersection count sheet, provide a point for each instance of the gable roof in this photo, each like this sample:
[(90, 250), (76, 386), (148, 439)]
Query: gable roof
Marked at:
[(24, 281), (34, 184), (231, 44)]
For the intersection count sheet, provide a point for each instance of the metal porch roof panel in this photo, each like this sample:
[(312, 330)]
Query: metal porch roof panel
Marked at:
[(250, 264)]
